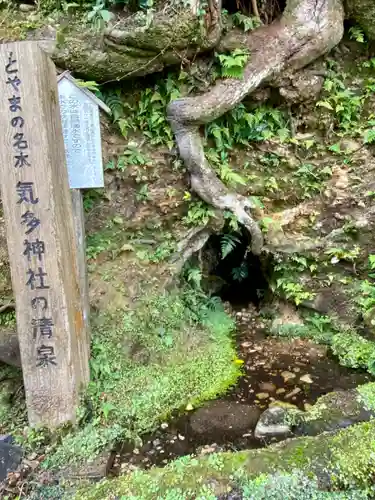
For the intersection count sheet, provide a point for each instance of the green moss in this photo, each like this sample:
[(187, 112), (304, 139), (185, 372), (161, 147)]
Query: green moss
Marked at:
[(347, 459), (171, 351), (12, 405), (367, 395), (354, 351)]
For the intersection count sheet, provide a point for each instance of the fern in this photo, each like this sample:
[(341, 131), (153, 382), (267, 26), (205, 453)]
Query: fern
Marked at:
[(231, 177), (194, 276), (228, 244), (357, 34), (90, 85), (247, 23), (115, 103), (232, 65), (240, 273), (199, 213)]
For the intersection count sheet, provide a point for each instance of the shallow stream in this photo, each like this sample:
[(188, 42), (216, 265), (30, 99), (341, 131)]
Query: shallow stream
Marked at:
[(294, 371)]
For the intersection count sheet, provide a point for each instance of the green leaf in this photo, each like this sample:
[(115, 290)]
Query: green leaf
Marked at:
[(257, 201), (324, 104), (106, 15), (228, 243)]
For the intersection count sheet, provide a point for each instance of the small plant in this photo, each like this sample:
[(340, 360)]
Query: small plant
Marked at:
[(356, 33), (346, 104), (143, 193), (99, 14), (232, 65), (245, 22), (354, 351), (288, 278), (91, 197), (228, 244), (115, 103), (366, 299), (133, 156), (194, 276), (337, 254), (240, 273), (8, 318), (294, 291), (199, 213), (310, 178)]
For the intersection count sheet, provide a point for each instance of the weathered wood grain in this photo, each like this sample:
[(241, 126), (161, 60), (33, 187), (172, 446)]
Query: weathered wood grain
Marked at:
[(79, 226), (54, 359)]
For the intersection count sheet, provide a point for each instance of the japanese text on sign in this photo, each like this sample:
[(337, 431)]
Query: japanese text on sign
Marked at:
[(36, 279)]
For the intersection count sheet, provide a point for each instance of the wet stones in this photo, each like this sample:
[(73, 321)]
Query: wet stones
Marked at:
[(287, 376), (224, 418), (267, 386), (306, 379), (273, 423)]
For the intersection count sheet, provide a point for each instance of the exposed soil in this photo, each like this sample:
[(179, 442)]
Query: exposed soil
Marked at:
[(295, 371)]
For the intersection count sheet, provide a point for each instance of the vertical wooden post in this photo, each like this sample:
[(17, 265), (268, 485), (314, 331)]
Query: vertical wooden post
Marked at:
[(41, 238), (79, 226)]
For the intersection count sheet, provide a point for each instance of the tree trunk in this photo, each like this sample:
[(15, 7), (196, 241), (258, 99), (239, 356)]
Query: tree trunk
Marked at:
[(307, 30)]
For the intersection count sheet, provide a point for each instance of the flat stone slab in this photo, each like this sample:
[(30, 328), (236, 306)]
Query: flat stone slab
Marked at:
[(10, 458)]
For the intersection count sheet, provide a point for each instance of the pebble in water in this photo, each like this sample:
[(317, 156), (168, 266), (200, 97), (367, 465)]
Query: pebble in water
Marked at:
[(267, 386), (294, 392), (288, 376), (263, 395)]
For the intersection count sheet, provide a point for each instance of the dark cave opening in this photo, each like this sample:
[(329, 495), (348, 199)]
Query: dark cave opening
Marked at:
[(242, 276), (269, 10)]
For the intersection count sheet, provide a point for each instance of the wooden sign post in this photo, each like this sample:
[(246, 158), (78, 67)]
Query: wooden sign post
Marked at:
[(80, 119), (41, 238)]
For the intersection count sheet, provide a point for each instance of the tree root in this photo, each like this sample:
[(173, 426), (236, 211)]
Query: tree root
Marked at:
[(307, 30), (188, 246)]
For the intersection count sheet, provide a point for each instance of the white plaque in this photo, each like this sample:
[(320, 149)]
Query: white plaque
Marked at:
[(81, 129)]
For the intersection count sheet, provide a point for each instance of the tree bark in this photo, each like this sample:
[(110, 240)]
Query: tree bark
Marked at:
[(307, 30)]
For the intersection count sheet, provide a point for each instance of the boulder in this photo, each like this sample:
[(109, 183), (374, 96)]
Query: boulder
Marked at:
[(92, 470), (334, 411), (224, 419)]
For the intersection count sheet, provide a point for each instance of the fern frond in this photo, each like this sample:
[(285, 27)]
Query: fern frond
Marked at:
[(232, 72), (115, 103), (194, 275), (240, 273), (228, 244), (231, 177)]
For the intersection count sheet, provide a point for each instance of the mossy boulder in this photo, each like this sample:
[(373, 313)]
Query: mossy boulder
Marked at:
[(345, 459), (129, 47), (333, 411)]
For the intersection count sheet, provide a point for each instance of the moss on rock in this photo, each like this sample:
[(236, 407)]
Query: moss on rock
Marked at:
[(334, 411), (128, 49), (345, 459)]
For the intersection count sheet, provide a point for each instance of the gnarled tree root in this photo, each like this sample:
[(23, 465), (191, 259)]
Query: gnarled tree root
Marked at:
[(307, 30)]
